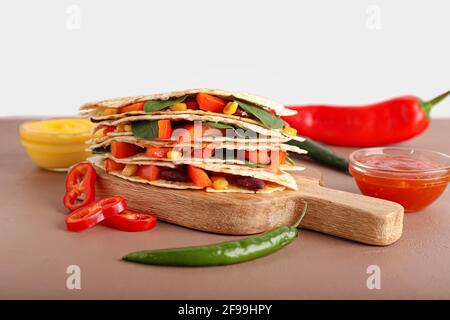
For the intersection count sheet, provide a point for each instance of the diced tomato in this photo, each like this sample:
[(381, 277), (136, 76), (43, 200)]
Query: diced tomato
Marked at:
[(157, 152), (121, 150), (109, 129), (211, 103), (277, 158), (191, 104), (111, 165), (193, 132), (149, 172), (207, 151), (258, 156), (138, 106), (164, 129), (130, 220), (199, 176)]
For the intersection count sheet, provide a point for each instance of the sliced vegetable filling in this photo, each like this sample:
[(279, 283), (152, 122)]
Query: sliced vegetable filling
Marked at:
[(187, 174), (182, 131), (205, 102), (270, 159)]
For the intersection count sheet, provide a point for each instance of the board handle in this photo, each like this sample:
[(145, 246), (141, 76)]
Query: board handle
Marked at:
[(351, 216)]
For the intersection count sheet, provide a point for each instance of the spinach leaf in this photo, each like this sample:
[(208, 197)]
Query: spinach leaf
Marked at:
[(101, 150), (247, 134), (158, 105), (218, 125), (269, 119), (251, 164), (145, 129)]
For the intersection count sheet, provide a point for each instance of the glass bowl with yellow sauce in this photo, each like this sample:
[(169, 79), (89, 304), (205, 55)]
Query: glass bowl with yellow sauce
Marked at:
[(56, 144)]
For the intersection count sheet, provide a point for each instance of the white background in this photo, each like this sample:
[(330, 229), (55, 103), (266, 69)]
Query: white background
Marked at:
[(351, 51)]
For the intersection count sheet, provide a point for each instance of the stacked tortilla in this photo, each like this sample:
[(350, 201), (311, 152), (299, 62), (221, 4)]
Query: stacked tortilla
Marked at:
[(212, 140)]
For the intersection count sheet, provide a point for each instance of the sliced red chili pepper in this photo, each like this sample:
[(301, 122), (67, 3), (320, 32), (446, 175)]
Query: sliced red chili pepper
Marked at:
[(80, 186), (130, 220), (94, 213), (109, 129), (112, 206)]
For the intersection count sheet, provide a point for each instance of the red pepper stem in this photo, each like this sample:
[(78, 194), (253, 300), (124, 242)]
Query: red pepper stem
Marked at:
[(297, 223), (428, 105)]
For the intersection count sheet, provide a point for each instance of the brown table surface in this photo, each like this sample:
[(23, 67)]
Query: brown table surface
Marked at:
[(36, 248)]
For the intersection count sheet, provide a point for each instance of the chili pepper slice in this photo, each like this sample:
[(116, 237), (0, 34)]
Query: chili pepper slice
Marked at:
[(80, 186), (130, 220), (94, 213), (109, 129), (221, 253)]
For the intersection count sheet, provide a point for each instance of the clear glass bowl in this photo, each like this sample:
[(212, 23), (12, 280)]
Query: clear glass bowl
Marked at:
[(412, 177)]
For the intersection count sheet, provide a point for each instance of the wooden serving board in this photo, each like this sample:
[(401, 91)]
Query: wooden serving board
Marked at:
[(338, 213)]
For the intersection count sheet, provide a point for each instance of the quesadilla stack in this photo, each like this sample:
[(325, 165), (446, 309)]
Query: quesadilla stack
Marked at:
[(215, 140)]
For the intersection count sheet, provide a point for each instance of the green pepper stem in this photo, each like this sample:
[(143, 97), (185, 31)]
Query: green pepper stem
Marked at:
[(428, 105), (297, 223)]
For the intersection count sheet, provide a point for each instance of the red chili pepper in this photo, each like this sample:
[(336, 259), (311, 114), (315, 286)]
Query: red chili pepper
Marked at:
[(130, 220), (94, 213), (109, 129), (386, 122), (80, 186)]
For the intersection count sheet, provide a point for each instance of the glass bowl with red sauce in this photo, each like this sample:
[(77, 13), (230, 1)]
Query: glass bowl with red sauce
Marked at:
[(412, 177)]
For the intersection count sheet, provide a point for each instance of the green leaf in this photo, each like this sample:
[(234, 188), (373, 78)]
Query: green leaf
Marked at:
[(269, 119), (247, 134), (145, 129), (218, 125), (101, 150), (158, 105), (251, 164)]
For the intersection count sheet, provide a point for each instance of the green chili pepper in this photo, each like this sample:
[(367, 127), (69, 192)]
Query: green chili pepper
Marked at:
[(221, 253)]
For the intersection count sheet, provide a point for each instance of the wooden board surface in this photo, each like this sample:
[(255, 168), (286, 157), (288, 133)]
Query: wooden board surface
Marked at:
[(347, 215)]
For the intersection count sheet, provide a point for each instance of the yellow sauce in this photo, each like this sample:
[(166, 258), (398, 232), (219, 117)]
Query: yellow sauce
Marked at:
[(56, 144)]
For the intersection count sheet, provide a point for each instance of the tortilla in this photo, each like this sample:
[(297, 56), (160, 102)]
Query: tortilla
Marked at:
[(100, 119), (269, 188), (142, 159), (204, 139), (217, 145), (281, 178), (194, 117), (99, 162), (95, 108)]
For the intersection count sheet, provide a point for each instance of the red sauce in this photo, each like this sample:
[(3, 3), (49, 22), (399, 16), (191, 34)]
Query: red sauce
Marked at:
[(399, 179)]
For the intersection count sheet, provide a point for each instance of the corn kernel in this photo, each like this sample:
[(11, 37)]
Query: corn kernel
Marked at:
[(289, 131), (230, 108), (219, 183), (127, 128), (178, 106), (109, 111), (129, 170), (174, 155)]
